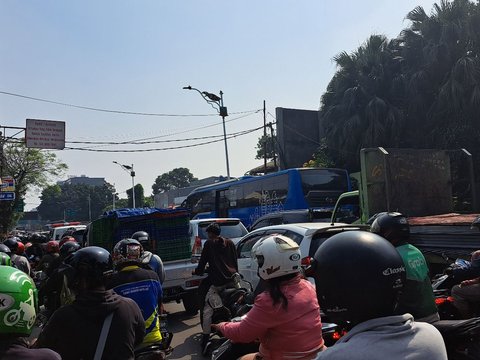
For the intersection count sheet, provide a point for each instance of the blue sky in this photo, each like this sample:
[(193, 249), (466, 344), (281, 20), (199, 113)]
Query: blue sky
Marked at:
[(137, 56)]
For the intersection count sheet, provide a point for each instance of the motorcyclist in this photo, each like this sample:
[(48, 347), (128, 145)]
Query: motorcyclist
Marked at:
[(152, 260), (139, 284), (417, 296), (55, 288), (358, 277), (221, 256), (5, 259), (52, 250), (20, 261), (65, 239), (468, 291), (18, 311), (285, 317), (93, 307)]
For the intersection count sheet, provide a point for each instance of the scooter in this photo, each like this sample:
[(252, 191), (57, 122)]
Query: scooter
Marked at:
[(229, 303), (442, 285), (228, 350), (462, 338), (160, 350)]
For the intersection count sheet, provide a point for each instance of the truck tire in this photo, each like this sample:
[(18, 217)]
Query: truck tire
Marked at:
[(190, 303)]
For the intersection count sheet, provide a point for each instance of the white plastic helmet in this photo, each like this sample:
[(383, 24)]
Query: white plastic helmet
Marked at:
[(276, 255)]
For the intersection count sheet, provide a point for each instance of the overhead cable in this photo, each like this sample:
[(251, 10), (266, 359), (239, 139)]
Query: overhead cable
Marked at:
[(114, 111), (168, 148)]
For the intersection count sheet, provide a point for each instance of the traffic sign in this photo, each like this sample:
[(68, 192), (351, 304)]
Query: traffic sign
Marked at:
[(7, 196), (7, 184)]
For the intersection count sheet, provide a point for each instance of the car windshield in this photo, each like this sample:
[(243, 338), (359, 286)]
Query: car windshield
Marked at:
[(229, 229)]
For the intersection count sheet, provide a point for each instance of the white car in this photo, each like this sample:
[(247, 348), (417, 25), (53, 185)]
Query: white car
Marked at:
[(231, 228), (308, 235)]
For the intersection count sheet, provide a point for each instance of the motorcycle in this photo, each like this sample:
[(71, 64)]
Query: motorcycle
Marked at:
[(228, 350), (461, 337), (442, 285), (230, 303), (160, 350)]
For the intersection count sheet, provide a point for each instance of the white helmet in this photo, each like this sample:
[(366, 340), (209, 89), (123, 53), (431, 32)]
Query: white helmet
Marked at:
[(276, 255)]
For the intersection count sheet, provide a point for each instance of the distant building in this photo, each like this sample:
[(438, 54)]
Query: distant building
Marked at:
[(83, 180), (175, 197)]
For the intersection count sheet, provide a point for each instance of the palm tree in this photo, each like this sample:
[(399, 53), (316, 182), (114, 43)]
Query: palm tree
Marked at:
[(362, 105)]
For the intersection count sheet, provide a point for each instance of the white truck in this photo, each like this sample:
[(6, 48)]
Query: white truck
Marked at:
[(170, 234)]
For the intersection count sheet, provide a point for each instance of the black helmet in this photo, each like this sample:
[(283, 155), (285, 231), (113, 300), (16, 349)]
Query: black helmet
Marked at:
[(141, 236), (213, 228), (5, 249), (91, 263), (358, 276), (12, 244), (69, 248), (126, 252), (393, 226)]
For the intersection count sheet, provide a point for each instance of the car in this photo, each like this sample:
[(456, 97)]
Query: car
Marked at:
[(291, 217), (57, 232), (308, 235), (231, 228)]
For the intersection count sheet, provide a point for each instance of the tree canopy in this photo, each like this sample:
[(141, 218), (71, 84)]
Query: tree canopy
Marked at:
[(75, 202), (267, 142), (174, 179), (31, 168), (419, 90)]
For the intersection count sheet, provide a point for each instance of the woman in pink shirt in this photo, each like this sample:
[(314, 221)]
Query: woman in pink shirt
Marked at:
[(286, 316)]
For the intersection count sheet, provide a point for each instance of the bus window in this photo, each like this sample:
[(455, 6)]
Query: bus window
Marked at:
[(201, 202), (322, 187)]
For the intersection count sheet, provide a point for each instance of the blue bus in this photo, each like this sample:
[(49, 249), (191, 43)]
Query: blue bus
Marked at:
[(251, 197)]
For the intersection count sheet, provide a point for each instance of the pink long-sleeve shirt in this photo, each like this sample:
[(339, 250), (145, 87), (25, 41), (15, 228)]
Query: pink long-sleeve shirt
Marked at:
[(294, 333)]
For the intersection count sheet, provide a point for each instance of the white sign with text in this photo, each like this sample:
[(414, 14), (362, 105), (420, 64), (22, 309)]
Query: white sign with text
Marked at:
[(45, 134)]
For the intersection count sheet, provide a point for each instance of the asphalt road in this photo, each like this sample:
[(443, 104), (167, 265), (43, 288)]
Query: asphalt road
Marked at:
[(186, 333)]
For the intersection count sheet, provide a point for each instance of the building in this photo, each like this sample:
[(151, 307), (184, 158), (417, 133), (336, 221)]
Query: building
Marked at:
[(83, 180)]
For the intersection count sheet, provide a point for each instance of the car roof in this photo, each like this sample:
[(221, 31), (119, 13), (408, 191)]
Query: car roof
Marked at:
[(310, 227), (196, 221)]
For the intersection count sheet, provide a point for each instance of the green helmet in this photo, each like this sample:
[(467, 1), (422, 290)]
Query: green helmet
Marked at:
[(18, 302), (5, 259)]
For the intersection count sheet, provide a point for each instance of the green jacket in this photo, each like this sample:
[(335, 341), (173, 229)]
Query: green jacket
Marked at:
[(417, 296)]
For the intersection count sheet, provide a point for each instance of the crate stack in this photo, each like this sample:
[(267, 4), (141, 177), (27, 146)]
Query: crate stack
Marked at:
[(169, 230)]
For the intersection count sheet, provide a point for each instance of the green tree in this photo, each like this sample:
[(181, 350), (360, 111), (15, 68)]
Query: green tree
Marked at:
[(75, 202), (174, 179), (31, 169), (321, 157), (267, 142)]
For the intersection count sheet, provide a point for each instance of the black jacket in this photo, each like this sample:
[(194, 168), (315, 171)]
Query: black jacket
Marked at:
[(221, 256), (73, 330), (17, 349)]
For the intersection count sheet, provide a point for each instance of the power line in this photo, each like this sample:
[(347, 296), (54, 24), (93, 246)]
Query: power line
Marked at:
[(177, 133), (112, 111), (168, 148), (152, 142)]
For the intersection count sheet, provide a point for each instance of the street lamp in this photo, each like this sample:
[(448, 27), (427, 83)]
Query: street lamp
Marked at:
[(217, 103), (129, 169)]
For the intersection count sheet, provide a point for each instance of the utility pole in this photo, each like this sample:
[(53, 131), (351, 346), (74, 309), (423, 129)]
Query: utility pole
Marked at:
[(265, 139), (89, 209), (273, 146)]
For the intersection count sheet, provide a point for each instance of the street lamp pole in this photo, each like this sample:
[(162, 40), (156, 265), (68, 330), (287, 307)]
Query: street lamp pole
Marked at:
[(217, 103), (130, 170)]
